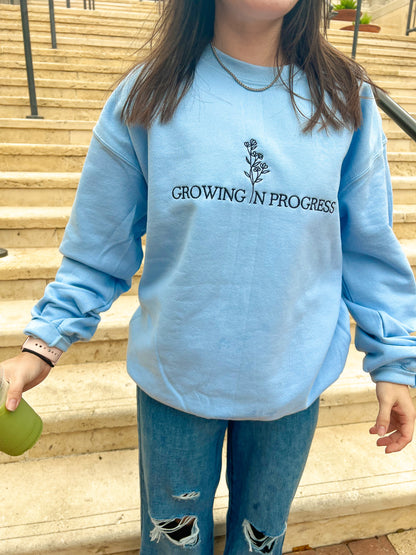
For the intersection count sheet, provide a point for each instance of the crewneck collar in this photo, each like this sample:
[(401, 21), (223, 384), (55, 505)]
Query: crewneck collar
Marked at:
[(249, 74)]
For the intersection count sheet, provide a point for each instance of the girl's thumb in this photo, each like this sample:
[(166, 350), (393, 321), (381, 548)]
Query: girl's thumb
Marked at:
[(383, 419), (14, 396)]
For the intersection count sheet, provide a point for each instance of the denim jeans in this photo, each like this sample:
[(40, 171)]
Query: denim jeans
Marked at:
[(180, 465)]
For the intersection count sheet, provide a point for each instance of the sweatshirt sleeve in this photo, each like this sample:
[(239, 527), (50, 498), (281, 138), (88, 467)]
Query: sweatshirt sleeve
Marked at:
[(378, 283), (102, 241)]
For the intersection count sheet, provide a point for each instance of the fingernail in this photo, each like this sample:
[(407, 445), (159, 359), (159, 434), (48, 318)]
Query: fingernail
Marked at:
[(381, 431), (11, 405)]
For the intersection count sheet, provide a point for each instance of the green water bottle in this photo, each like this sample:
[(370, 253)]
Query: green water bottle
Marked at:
[(20, 429)]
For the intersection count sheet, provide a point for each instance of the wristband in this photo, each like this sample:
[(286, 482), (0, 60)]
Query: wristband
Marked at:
[(50, 355)]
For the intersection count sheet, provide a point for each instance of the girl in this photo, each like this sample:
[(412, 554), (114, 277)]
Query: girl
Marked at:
[(251, 154)]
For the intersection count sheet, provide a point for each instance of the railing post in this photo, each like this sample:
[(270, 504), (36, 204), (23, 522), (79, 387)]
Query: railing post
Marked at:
[(68, 3), (52, 23), (356, 29), (409, 18), (29, 62)]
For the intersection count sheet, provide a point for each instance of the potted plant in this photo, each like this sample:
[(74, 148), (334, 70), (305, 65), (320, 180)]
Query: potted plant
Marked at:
[(346, 10), (365, 25)]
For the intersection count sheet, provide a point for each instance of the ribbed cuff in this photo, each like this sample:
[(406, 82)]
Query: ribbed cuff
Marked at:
[(48, 333), (394, 374)]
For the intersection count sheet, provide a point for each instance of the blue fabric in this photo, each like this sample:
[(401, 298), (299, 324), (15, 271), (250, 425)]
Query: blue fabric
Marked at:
[(181, 454), (259, 239)]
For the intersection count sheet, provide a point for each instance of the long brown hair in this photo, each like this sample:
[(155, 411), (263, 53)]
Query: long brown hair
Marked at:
[(186, 27)]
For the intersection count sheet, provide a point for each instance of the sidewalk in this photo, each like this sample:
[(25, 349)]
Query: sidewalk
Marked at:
[(400, 543)]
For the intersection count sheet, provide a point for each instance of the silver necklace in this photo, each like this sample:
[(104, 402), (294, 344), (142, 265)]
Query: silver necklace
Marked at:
[(237, 80)]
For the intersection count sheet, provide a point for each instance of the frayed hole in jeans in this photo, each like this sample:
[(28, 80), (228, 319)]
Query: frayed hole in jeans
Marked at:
[(188, 495), (258, 541), (183, 532)]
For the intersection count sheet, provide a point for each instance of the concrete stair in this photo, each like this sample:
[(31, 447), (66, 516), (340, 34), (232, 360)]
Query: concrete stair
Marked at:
[(76, 491), (29, 189), (90, 436), (39, 226)]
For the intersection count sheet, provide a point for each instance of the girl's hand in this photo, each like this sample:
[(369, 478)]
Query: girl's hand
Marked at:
[(23, 372), (396, 414)]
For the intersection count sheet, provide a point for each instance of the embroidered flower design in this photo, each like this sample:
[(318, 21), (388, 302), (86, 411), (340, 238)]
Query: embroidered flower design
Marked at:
[(257, 167)]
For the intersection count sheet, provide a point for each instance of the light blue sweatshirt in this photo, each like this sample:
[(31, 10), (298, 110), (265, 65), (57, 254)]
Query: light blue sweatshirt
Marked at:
[(259, 239)]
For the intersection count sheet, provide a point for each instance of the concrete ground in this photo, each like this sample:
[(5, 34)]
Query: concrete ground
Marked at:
[(400, 543)]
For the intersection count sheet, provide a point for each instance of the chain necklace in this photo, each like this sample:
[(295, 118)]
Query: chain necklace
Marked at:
[(237, 80)]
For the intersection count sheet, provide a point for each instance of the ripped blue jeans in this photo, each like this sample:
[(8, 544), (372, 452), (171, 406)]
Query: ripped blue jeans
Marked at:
[(180, 466)]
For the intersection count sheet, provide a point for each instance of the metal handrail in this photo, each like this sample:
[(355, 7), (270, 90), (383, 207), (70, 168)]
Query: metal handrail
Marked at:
[(52, 23), (29, 61), (398, 114), (411, 25), (356, 29)]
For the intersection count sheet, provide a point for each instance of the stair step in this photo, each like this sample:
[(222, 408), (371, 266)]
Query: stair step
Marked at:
[(53, 88), (43, 157), (109, 57), (399, 141), (378, 72), (396, 88), (404, 221), (30, 189), (25, 272), (100, 72), (103, 7), (43, 226), (48, 70), (52, 108), (402, 163), (66, 19), (65, 132), (33, 226), (58, 157), (92, 407), (93, 29), (349, 489), (389, 125), (404, 189), (109, 342), (58, 108), (77, 132), (85, 408), (42, 39), (40, 36)]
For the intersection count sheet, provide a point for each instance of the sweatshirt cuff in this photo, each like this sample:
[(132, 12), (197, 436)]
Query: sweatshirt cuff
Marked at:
[(394, 374), (48, 333)]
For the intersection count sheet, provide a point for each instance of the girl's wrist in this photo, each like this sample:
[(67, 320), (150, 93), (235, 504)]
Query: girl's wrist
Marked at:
[(42, 350)]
